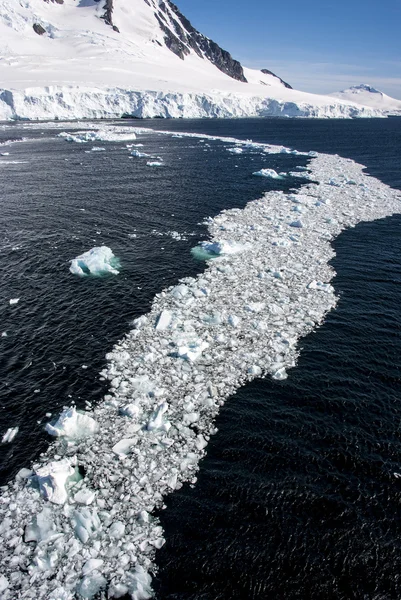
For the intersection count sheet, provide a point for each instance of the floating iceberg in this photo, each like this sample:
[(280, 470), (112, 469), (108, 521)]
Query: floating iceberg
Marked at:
[(268, 173), (97, 261), (155, 164)]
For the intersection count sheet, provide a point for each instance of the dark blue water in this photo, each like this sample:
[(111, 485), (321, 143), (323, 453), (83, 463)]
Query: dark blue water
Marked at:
[(297, 497), (60, 201)]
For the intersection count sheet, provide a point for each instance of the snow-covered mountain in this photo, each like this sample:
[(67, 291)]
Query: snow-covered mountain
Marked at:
[(70, 59), (369, 96)]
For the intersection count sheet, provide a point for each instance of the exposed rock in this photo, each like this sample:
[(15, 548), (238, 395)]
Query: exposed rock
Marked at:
[(267, 72), (39, 29)]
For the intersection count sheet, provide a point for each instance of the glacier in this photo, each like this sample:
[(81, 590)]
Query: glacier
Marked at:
[(87, 504), (137, 58)]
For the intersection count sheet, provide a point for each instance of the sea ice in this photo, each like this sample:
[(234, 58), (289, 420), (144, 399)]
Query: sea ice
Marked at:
[(246, 312), (97, 261), (14, 301)]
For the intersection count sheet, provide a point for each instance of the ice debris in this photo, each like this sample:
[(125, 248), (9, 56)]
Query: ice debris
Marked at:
[(95, 531), (97, 261), (14, 301)]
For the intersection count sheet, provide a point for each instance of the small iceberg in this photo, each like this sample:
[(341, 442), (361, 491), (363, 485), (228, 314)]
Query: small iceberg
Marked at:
[(9, 435), (268, 173), (97, 261), (208, 250), (155, 164), (72, 424)]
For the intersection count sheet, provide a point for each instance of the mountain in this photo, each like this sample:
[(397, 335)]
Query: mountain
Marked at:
[(369, 96), (71, 59)]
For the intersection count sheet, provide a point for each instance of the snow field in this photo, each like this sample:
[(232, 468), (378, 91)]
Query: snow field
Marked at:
[(87, 505)]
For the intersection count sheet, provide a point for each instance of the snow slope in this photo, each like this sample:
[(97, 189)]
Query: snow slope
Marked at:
[(82, 58), (369, 96)]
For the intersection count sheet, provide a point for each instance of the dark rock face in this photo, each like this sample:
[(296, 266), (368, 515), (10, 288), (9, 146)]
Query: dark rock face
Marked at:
[(267, 72), (185, 36), (38, 29)]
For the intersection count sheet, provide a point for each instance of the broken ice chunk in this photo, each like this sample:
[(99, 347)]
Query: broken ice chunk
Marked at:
[(14, 301), (52, 479), (222, 248), (164, 320), (156, 420), (72, 424), (123, 447), (91, 585)]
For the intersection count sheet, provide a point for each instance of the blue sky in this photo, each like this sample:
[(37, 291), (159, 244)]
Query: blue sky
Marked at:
[(316, 46)]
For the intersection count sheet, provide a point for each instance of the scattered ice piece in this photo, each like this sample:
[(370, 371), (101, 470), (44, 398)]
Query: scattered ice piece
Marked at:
[(235, 150), (4, 334), (155, 164), (9, 435), (130, 410), (98, 149), (72, 424), (268, 173), (234, 320), (14, 301), (93, 564), (280, 374), (41, 528), (156, 420), (97, 261), (117, 530)]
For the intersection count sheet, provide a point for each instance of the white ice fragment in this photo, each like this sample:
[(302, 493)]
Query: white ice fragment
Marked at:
[(123, 447), (235, 150), (140, 322), (52, 479), (130, 410), (41, 528), (255, 307), (320, 286), (84, 496), (192, 351), (9, 435), (180, 291), (3, 583), (117, 530), (156, 420), (164, 320), (222, 248), (14, 301), (93, 564), (91, 585), (155, 163), (234, 321), (255, 370), (268, 173), (280, 374), (73, 424), (23, 474), (97, 261)]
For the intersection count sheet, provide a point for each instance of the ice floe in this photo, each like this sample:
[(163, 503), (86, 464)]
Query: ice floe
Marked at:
[(97, 261), (268, 173), (88, 507)]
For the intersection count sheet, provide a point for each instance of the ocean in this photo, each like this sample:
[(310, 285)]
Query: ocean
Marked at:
[(299, 493)]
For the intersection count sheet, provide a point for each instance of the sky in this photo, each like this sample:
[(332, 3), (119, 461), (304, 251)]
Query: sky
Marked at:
[(317, 46)]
